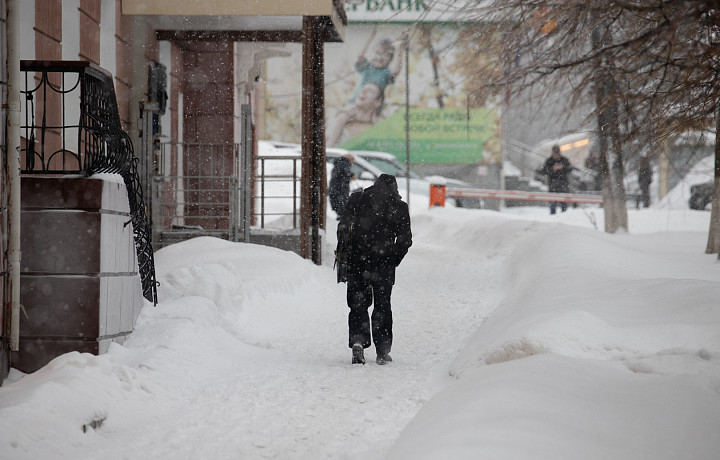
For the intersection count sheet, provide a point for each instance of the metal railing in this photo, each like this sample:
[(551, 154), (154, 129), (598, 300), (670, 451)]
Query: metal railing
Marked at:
[(195, 192), (72, 126), (278, 188), (202, 188), (198, 203)]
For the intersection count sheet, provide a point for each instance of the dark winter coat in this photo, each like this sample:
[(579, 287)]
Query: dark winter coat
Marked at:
[(645, 175), (381, 234), (339, 188), (558, 181)]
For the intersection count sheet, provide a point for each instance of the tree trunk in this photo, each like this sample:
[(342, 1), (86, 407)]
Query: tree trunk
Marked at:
[(434, 58), (612, 172), (617, 205), (608, 135), (713, 245)]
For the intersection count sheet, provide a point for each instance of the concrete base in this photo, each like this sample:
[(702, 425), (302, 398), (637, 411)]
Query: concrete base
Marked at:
[(287, 240), (80, 287), (4, 361)]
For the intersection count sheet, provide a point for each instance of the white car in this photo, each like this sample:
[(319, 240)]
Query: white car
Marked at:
[(386, 163), (366, 171), (279, 172), (389, 164)]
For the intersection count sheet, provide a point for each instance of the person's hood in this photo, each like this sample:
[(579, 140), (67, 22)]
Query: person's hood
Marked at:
[(387, 184), (341, 161)]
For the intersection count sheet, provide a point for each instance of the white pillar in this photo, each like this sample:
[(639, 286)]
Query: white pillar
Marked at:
[(13, 152)]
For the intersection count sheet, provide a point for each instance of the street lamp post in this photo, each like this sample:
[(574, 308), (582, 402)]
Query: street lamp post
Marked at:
[(407, 116)]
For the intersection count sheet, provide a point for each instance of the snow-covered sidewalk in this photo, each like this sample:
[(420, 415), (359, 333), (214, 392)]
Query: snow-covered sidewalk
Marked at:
[(517, 336)]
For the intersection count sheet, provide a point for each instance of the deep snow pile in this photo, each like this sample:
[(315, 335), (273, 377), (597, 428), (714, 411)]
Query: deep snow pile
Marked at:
[(517, 335)]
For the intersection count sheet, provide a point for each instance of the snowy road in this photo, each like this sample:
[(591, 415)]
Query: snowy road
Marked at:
[(276, 380), (326, 408), (505, 326)]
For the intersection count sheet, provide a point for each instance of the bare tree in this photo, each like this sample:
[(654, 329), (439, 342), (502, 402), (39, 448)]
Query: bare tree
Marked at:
[(650, 66), (426, 42)]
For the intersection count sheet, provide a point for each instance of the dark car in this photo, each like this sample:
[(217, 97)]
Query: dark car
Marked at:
[(701, 195)]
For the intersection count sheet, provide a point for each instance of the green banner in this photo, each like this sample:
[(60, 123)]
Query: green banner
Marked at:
[(436, 135)]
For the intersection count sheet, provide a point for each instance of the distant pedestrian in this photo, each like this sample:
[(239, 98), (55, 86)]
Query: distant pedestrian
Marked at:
[(374, 235), (339, 188), (592, 162), (645, 177), (557, 169)]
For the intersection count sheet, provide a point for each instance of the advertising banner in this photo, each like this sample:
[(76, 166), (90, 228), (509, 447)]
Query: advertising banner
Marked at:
[(412, 11), (436, 135), (385, 72)]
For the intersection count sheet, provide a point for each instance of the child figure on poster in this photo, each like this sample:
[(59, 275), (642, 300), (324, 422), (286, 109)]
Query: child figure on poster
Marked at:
[(356, 118), (382, 67)]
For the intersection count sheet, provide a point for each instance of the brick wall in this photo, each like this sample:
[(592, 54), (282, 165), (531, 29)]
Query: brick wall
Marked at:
[(90, 26), (208, 91), (124, 65), (48, 29), (48, 46), (208, 95)]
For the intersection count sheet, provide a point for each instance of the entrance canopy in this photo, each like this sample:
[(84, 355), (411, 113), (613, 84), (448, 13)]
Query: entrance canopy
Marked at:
[(309, 22), (242, 20)]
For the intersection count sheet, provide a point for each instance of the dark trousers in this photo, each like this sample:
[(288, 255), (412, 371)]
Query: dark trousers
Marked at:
[(645, 195), (361, 293), (554, 204)]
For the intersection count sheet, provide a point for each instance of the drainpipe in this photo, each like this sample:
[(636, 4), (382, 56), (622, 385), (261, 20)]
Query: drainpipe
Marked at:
[(13, 152)]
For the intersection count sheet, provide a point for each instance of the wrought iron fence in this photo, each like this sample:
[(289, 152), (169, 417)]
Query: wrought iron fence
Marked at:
[(72, 126)]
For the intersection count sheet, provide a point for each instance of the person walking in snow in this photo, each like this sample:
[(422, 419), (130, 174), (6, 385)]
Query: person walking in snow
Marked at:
[(339, 187), (557, 168), (645, 177), (376, 226)]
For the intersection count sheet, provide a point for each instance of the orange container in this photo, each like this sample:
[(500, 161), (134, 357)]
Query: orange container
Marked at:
[(437, 195)]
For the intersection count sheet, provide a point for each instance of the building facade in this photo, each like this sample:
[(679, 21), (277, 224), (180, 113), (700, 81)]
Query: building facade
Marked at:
[(179, 76)]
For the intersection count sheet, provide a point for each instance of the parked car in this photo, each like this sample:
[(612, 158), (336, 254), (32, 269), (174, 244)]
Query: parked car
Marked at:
[(366, 172), (389, 164), (701, 195), (386, 163)]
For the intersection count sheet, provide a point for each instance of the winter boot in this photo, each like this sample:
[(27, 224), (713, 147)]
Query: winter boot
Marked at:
[(383, 359), (358, 356)]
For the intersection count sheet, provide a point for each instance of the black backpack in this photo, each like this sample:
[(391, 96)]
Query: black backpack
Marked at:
[(343, 251)]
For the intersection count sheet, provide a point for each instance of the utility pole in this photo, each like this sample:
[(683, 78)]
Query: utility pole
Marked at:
[(407, 118)]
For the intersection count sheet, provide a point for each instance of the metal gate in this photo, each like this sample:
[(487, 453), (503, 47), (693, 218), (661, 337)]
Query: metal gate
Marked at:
[(201, 189), (195, 192)]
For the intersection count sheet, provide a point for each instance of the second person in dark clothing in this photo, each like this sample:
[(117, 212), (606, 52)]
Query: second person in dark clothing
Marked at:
[(378, 222), (557, 169), (339, 187), (645, 177)]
